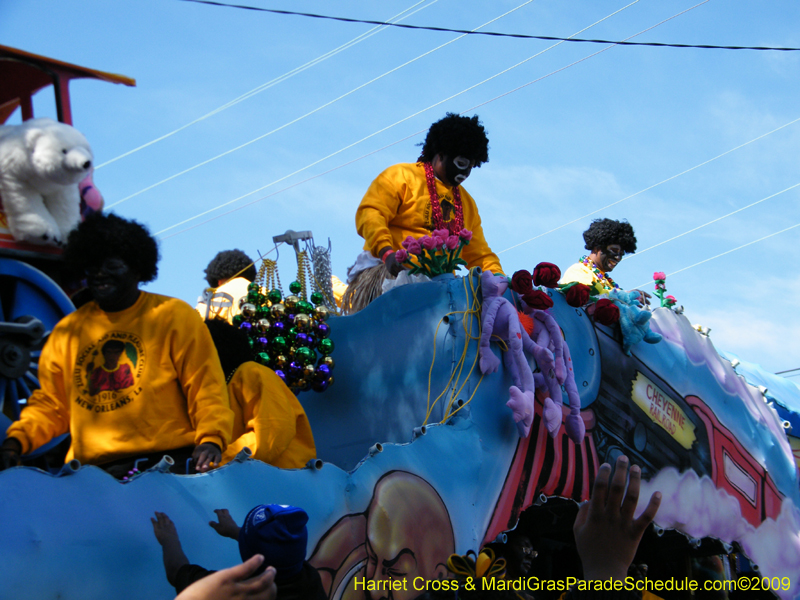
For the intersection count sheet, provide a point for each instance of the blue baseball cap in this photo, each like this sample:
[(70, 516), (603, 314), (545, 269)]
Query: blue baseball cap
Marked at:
[(279, 533)]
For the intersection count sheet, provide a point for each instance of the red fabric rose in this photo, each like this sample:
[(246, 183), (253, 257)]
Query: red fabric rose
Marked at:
[(578, 295), (546, 274), (521, 282), (537, 299), (606, 312)]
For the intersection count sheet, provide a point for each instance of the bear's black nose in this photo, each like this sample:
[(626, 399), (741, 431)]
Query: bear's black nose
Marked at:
[(87, 164)]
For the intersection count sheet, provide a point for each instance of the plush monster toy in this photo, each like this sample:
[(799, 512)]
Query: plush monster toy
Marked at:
[(499, 318), (633, 320), (547, 335)]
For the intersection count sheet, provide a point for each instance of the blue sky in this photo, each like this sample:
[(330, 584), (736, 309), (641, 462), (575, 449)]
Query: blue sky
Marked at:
[(607, 130)]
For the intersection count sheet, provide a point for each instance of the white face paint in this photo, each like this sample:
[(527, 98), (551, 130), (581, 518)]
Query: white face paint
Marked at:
[(458, 170), (462, 163)]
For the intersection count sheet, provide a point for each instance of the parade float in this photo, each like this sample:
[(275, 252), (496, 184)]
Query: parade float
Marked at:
[(414, 426)]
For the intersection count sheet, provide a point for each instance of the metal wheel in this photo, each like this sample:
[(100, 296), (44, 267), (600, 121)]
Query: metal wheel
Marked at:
[(30, 305)]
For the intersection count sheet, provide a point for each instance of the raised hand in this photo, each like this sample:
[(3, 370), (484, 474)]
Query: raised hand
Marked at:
[(606, 533), (226, 527)]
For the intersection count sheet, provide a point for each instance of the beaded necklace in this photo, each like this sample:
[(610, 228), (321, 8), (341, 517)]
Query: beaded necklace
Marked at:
[(456, 224), (230, 375), (588, 262)]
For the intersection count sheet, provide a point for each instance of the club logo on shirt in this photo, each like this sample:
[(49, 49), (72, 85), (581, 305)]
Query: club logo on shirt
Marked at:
[(107, 372), (448, 212)]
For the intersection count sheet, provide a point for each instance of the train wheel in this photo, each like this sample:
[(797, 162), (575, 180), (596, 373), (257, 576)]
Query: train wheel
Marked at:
[(30, 305)]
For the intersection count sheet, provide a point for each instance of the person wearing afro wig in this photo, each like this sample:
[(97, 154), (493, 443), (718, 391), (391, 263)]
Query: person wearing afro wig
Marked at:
[(268, 417), (228, 275), (173, 399), (607, 241), (416, 198)]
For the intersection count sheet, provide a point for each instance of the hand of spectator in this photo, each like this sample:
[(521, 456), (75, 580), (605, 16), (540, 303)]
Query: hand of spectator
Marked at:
[(164, 529), (206, 456), (172, 551), (606, 533), (9, 453), (233, 584), (226, 527), (394, 267)]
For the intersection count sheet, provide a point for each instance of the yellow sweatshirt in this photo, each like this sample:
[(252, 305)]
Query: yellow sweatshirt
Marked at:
[(178, 397), (268, 419), (582, 274), (397, 205)]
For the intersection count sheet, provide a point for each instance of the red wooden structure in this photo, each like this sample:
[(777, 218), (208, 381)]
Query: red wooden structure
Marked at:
[(23, 74)]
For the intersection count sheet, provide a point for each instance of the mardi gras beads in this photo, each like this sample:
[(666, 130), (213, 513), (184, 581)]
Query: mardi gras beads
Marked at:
[(289, 334)]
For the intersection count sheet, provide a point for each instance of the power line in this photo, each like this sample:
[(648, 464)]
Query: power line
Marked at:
[(787, 371), (492, 33), (761, 239), (265, 86), (399, 122), (319, 108), (647, 189), (275, 193), (590, 55), (738, 210)]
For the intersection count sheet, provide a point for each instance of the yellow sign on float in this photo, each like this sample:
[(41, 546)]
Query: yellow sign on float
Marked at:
[(663, 410)]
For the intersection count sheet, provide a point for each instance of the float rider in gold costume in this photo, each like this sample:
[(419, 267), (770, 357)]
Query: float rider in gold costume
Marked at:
[(174, 400), (414, 199)]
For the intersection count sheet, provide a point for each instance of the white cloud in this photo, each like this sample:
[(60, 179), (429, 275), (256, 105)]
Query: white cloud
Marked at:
[(694, 506)]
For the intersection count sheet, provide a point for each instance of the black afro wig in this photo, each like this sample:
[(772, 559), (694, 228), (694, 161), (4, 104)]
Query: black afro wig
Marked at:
[(103, 236), (231, 343), (456, 136), (604, 232), (227, 264)]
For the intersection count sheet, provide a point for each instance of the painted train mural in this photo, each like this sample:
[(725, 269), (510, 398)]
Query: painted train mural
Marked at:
[(705, 437), (419, 450)]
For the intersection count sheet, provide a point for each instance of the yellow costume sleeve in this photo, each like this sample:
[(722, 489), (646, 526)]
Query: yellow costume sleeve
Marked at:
[(477, 253), (46, 415), (397, 205), (379, 207), (201, 379), (271, 420)]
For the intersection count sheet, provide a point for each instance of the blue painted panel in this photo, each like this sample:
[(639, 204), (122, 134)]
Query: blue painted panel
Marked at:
[(87, 536)]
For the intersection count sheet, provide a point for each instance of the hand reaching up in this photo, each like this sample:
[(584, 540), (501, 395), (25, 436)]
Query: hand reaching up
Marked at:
[(226, 527), (606, 533)]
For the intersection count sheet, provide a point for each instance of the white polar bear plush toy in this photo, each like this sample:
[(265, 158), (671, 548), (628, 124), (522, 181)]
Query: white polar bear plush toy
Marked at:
[(41, 163)]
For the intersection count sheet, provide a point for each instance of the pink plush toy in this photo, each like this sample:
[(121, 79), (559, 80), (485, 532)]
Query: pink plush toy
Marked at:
[(547, 334), (499, 318)]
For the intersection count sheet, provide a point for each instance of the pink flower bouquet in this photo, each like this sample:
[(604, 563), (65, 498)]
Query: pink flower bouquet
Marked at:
[(434, 254)]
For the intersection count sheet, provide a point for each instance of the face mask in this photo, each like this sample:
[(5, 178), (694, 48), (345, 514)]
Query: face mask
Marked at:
[(458, 169)]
